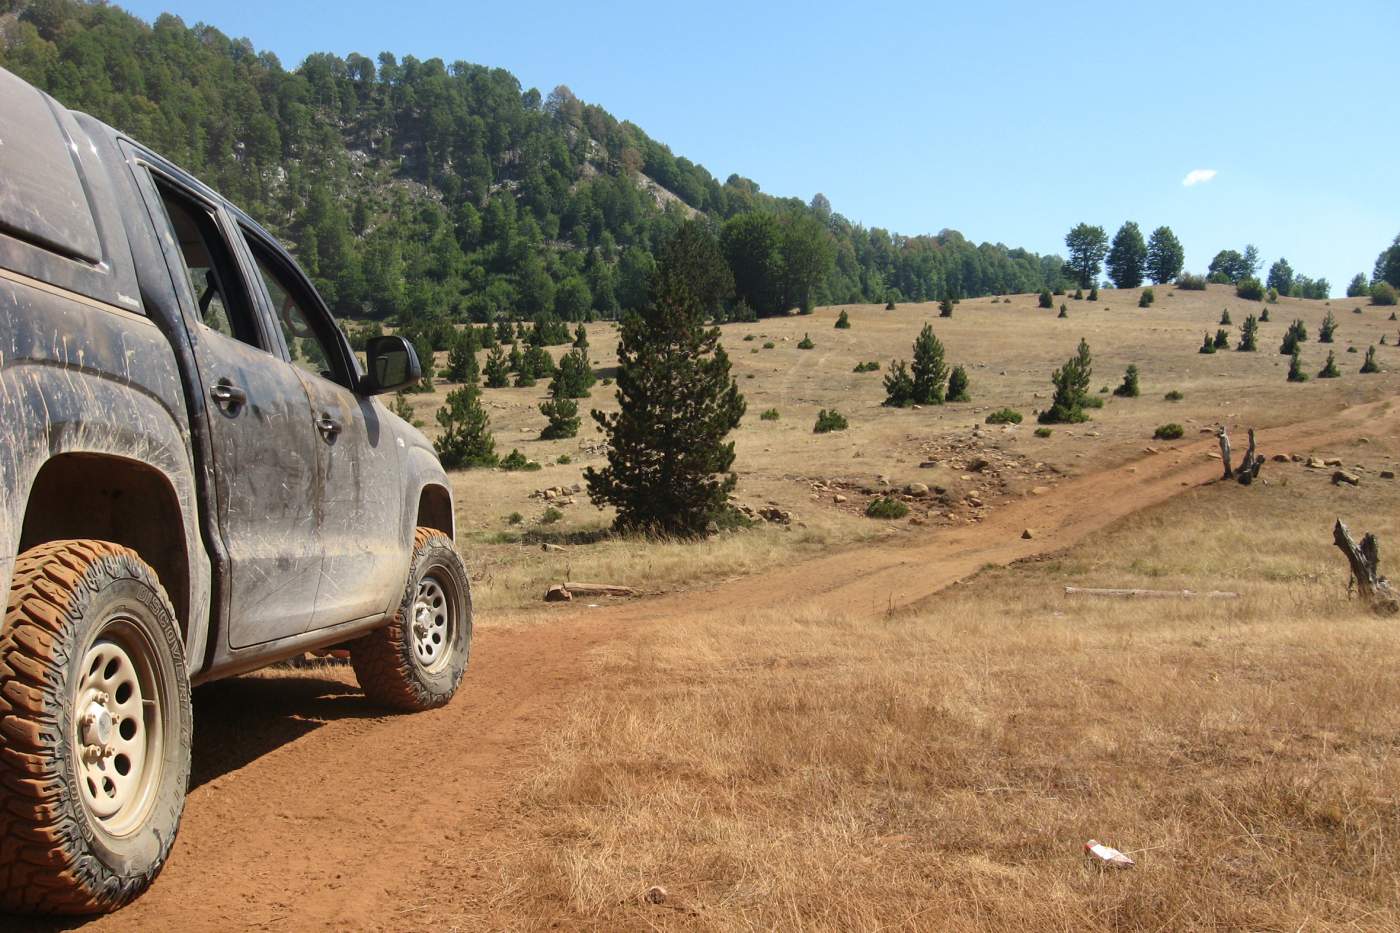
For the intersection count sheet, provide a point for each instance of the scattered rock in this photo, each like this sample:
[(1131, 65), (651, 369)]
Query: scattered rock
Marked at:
[(1316, 464), (928, 464), (1282, 458), (552, 548), (1387, 474), (775, 515), (1332, 462), (917, 490), (1342, 476), (1039, 490), (557, 594), (656, 894), (838, 498), (1027, 534)]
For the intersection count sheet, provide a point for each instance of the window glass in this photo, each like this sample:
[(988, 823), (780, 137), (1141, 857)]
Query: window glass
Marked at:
[(213, 280), (302, 325)]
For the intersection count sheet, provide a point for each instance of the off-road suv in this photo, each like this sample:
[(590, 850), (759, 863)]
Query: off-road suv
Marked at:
[(196, 481)]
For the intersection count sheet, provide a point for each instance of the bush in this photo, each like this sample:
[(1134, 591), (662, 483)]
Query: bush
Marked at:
[(1273, 295), (564, 460), (1044, 432), (1090, 401), (404, 410), (1004, 416), (828, 421), (466, 439), (770, 414), (1250, 289), (958, 385), (1357, 310), (550, 516), (1094, 293), (945, 308), (1078, 294), (1225, 318), (1296, 334), (1222, 339), (899, 386), (1046, 299), (1064, 312), (768, 345), (1370, 365), (1295, 368), (1191, 283), (1071, 389), (1249, 335), (1174, 395), (1264, 316), (886, 507), (1129, 388), (1383, 293), (563, 419), (515, 460), (1207, 345), (870, 367), (1148, 296), (806, 342), (843, 321), (1328, 328), (889, 305), (752, 337), (515, 518), (1329, 369), (1168, 432)]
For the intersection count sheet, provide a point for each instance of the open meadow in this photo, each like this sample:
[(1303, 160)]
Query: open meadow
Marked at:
[(1009, 347)]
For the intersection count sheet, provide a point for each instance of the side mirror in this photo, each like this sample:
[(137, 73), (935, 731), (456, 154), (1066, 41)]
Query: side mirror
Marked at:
[(392, 364)]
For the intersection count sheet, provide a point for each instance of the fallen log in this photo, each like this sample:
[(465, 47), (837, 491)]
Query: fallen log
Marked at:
[(1148, 594), (599, 589), (1365, 559)]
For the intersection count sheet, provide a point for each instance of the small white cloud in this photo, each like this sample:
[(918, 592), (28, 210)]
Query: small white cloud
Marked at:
[(1198, 176)]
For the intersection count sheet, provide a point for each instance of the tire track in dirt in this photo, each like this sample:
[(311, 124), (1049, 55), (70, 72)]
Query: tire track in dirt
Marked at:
[(313, 811)]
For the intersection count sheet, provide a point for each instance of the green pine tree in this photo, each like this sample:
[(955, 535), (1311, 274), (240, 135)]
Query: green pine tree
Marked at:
[(574, 377), (1130, 387), (1370, 365), (563, 418), (466, 439), (1249, 335), (497, 369), (1071, 387), (1329, 369), (958, 384), (929, 370), (1295, 368), (669, 468), (899, 385)]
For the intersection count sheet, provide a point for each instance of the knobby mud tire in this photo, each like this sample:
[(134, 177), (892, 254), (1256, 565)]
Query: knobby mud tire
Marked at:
[(56, 856), (384, 660)]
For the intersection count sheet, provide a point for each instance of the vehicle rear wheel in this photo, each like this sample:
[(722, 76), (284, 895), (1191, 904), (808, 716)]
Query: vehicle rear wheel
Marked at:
[(95, 728), (416, 662)]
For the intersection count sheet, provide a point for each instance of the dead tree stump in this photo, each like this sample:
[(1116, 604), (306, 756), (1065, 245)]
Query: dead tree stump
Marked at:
[(1365, 561), (1250, 465), (1224, 450)]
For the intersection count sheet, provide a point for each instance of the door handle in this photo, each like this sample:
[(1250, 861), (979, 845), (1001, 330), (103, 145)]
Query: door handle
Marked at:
[(328, 427), (228, 394)]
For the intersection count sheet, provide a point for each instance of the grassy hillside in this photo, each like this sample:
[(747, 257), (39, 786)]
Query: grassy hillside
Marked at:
[(424, 189)]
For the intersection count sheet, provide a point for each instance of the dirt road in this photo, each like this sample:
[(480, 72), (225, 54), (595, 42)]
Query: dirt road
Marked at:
[(312, 811)]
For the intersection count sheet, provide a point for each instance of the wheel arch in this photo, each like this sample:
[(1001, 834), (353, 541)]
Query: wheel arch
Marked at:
[(112, 498), (435, 509)]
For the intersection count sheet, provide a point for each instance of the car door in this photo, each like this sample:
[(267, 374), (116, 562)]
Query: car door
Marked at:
[(360, 507), (264, 454)]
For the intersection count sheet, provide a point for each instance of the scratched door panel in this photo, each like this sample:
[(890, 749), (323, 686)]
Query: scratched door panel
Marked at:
[(266, 477), (360, 508)]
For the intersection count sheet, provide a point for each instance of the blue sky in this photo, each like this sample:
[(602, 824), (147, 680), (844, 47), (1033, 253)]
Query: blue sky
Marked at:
[(1007, 121)]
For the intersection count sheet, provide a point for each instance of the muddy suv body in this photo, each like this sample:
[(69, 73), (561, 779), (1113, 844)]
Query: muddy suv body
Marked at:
[(197, 479)]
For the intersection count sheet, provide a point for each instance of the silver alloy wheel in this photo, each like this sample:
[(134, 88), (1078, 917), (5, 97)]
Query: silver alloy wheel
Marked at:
[(434, 618), (117, 728)]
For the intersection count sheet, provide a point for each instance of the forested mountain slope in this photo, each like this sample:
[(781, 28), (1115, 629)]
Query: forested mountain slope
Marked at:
[(420, 188)]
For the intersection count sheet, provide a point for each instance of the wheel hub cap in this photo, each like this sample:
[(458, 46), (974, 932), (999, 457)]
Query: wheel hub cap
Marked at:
[(117, 732), (432, 624)]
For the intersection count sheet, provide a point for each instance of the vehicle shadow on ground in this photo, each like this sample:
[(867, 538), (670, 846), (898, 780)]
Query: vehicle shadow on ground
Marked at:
[(238, 721)]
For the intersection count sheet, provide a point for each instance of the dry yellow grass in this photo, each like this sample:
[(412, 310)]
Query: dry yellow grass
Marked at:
[(942, 769), (1009, 350)]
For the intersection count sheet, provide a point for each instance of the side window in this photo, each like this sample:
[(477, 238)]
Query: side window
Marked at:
[(309, 338), (209, 269)]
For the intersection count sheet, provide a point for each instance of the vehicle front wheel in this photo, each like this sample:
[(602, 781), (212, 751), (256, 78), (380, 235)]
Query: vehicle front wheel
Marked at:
[(95, 728), (416, 662)]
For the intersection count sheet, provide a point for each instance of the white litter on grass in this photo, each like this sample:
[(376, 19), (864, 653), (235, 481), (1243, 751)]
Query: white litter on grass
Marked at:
[(592, 605), (1108, 855)]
